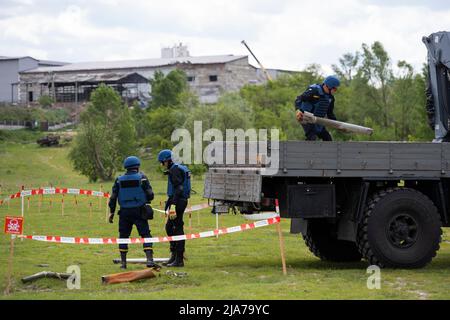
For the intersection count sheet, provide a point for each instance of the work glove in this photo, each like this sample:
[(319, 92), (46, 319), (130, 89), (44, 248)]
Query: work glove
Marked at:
[(172, 215), (168, 203), (111, 217), (299, 115)]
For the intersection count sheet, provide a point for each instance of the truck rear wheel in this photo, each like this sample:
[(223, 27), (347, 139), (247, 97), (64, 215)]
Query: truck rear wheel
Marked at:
[(321, 239), (401, 228)]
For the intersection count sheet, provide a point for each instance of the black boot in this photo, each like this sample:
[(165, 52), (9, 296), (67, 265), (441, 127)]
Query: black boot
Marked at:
[(123, 258), (173, 255), (179, 260), (150, 262)]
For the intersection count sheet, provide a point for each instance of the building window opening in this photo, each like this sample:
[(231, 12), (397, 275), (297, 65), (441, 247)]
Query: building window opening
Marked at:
[(190, 78), (213, 78), (65, 93), (30, 96)]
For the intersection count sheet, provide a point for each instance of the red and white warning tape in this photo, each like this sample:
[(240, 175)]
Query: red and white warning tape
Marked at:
[(46, 191), (206, 234), (190, 208), (73, 191)]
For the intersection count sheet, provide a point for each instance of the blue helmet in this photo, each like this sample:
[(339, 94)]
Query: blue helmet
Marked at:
[(332, 82), (131, 162), (164, 155)]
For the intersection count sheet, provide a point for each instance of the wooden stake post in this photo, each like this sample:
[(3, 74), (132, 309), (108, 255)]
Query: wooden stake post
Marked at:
[(10, 266), (22, 198), (13, 226), (62, 205), (190, 222), (76, 204), (107, 210), (40, 203), (100, 199), (280, 238), (217, 224)]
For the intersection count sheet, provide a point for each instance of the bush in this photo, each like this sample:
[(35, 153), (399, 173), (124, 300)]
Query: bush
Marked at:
[(19, 136), (45, 101)]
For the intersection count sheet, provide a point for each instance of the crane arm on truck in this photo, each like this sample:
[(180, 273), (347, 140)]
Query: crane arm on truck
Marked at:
[(438, 86)]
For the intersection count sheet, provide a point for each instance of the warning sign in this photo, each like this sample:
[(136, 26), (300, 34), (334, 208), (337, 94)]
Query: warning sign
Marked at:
[(13, 225)]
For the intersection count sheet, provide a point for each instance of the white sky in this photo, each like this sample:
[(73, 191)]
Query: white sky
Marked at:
[(284, 34)]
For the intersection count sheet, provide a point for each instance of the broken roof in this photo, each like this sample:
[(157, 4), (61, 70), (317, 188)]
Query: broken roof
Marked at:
[(117, 77), (145, 63)]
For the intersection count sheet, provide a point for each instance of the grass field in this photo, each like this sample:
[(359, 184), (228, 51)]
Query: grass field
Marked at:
[(244, 265)]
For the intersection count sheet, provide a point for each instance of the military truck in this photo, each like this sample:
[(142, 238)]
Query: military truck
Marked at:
[(385, 202)]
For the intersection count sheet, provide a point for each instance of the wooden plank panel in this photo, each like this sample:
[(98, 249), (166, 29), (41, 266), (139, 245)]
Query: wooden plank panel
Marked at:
[(416, 164)]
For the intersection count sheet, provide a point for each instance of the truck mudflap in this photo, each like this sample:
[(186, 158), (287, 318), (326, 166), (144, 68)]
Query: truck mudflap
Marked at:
[(233, 184)]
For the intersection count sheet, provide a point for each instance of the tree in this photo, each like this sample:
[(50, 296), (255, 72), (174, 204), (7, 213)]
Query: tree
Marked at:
[(347, 67), (106, 137), (160, 123), (376, 70), (167, 90), (408, 99)]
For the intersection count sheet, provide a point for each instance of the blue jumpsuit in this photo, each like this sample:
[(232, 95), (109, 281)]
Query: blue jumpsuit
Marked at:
[(130, 213), (319, 103), (178, 191)]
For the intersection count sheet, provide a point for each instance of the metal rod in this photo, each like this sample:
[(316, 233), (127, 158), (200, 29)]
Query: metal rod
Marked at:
[(261, 66)]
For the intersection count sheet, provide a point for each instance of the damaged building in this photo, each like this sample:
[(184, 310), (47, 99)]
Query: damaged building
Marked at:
[(10, 67), (208, 77)]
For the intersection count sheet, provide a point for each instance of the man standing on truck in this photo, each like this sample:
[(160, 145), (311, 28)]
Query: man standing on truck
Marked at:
[(178, 192), (318, 99)]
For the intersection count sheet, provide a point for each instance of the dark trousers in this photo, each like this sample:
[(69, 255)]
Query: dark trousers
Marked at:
[(175, 227), (129, 217), (312, 135)]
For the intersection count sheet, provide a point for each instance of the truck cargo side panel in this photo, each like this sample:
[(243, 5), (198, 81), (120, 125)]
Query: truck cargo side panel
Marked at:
[(364, 159), (233, 185)]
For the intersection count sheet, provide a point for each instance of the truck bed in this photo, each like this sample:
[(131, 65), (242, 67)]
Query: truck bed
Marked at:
[(389, 160), (364, 159)]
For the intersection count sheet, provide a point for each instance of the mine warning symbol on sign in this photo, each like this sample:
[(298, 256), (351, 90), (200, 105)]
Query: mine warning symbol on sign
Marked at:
[(13, 225)]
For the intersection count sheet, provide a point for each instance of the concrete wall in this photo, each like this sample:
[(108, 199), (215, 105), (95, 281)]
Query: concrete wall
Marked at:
[(25, 64), (231, 77)]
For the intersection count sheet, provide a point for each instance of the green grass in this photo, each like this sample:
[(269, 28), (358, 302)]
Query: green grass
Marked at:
[(20, 136), (244, 265)]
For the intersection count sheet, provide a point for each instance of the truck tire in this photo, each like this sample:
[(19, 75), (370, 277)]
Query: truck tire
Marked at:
[(321, 240), (401, 228)]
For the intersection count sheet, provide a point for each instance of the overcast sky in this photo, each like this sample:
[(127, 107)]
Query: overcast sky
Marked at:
[(284, 34)]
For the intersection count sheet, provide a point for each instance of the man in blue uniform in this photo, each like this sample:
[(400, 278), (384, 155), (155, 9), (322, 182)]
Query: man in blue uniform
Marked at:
[(133, 191), (318, 99), (178, 192)]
